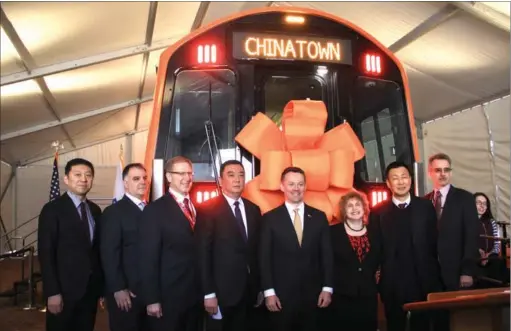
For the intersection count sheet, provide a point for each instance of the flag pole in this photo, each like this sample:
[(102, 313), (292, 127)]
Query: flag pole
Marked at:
[(121, 156)]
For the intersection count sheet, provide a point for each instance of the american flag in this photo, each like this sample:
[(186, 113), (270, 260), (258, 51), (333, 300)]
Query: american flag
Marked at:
[(55, 184)]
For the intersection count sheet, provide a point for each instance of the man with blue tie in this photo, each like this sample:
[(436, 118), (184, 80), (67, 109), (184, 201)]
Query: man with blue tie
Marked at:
[(227, 232), (68, 246), (119, 242)]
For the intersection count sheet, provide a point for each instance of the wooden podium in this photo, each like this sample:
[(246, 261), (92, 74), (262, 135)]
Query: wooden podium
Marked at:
[(470, 310)]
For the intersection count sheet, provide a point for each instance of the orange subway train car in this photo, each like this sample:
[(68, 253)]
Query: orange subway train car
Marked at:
[(212, 82)]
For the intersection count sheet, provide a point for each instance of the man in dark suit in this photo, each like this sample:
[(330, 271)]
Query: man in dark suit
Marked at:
[(409, 265), (296, 258), (228, 236), (458, 226), (168, 259), (68, 246), (119, 253)]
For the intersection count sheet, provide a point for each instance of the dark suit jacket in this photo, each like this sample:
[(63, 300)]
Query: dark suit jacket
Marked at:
[(167, 257), (352, 277), (424, 234), (458, 237), (119, 251), (296, 273), (227, 263), (68, 259)]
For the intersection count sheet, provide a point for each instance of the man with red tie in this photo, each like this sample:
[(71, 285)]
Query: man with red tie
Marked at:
[(167, 261), (458, 226)]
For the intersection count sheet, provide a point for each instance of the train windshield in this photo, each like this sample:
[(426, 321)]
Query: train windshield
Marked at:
[(199, 96), (381, 122), (279, 90)]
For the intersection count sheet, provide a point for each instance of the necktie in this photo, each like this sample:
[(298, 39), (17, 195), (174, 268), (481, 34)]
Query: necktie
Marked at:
[(141, 205), (189, 212), (297, 222), (85, 219), (402, 205), (239, 218), (437, 202)]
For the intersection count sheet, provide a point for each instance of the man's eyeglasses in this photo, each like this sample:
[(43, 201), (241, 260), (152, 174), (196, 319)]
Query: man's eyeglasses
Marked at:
[(182, 173), (440, 170)]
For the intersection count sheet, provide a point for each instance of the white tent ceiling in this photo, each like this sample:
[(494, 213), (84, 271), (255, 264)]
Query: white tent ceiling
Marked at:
[(84, 72)]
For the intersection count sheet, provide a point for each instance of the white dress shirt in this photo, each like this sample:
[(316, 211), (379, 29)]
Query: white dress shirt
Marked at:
[(231, 201), (301, 211), (406, 202)]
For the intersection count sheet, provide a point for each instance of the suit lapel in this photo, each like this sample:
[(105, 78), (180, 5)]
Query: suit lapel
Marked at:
[(249, 215), (130, 203), (287, 225), (388, 225), (308, 223), (227, 212), (449, 200), (176, 210), (415, 219)]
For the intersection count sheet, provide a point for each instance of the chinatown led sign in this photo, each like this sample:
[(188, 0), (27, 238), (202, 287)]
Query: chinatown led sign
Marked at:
[(247, 45)]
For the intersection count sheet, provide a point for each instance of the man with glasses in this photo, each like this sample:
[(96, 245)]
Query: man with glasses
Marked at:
[(167, 260), (457, 226)]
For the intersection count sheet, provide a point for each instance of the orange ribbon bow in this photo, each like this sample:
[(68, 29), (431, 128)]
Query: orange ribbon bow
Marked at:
[(327, 158)]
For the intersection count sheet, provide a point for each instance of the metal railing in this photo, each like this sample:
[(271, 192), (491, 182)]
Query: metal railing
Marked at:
[(6, 239), (30, 280)]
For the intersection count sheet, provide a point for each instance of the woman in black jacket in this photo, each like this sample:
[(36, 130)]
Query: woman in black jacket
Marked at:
[(356, 261)]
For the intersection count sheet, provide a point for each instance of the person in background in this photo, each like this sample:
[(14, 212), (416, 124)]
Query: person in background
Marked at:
[(489, 250), (68, 248), (356, 249), (119, 253)]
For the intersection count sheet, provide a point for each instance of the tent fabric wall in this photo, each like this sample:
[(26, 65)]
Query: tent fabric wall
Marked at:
[(32, 183), (477, 140)]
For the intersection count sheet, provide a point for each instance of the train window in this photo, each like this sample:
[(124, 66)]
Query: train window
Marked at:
[(199, 96), (279, 90), (382, 124)]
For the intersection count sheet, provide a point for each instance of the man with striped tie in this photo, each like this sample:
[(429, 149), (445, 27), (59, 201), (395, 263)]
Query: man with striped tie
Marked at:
[(168, 260), (296, 258), (119, 253)]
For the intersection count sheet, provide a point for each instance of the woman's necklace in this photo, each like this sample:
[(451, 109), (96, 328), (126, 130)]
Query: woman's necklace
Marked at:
[(348, 225)]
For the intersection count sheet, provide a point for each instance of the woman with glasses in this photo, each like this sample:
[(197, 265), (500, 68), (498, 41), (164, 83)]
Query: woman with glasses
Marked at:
[(489, 249)]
